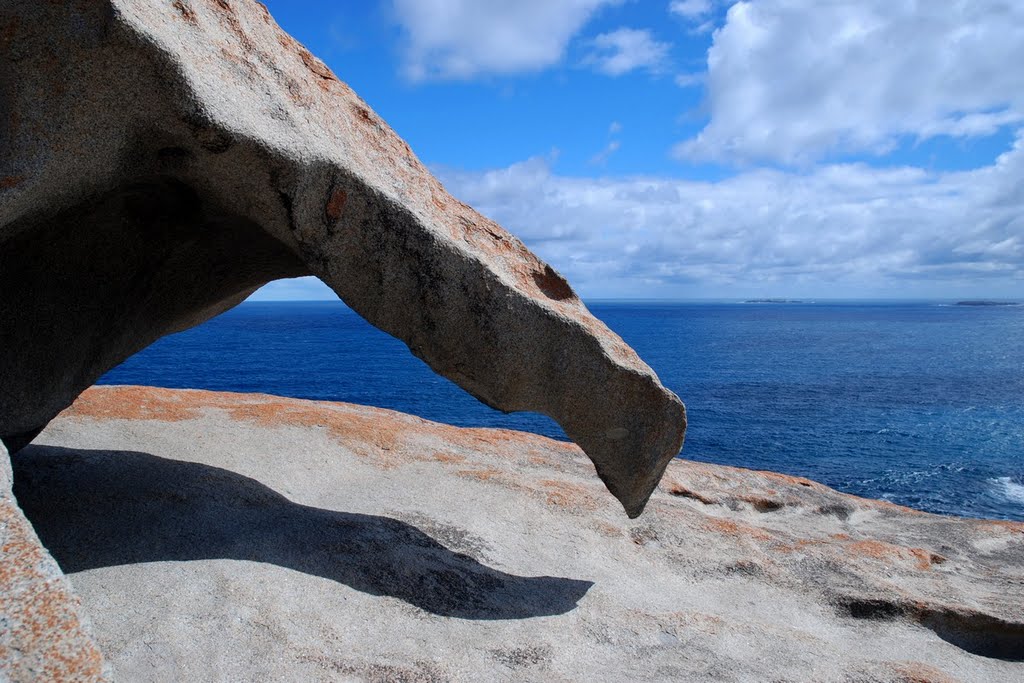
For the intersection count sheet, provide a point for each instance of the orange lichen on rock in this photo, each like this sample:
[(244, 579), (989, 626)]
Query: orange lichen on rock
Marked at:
[(569, 496), (348, 425), (999, 525), (798, 545), (609, 530), (731, 528), (370, 432), (917, 672), (787, 479), (484, 474), (441, 456), (881, 550), (39, 612), (136, 403)]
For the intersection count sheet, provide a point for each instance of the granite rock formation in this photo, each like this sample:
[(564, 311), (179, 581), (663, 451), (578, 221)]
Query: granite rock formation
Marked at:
[(43, 635), (229, 537), (161, 160)]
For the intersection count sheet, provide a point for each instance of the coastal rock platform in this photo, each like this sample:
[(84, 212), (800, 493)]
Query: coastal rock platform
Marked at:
[(226, 537)]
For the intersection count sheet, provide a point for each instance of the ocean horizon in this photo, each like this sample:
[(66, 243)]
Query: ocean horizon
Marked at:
[(913, 401)]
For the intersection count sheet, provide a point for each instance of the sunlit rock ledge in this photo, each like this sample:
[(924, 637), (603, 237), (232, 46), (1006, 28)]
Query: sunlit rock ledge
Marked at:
[(224, 537)]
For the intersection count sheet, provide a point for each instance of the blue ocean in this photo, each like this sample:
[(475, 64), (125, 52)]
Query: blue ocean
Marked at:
[(919, 403)]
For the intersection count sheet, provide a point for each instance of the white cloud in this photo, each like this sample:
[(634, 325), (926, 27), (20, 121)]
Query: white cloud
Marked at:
[(463, 39), (626, 49), (614, 127), (795, 80), (690, 9), (689, 80), (839, 230), (601, 157)]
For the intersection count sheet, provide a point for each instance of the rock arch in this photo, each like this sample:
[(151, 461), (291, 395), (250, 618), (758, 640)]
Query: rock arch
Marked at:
[(162, 160)]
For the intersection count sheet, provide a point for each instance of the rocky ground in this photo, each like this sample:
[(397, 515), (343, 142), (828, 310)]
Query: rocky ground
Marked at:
[(227, 537)]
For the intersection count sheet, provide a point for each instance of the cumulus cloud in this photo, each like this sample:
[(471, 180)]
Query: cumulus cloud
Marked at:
[(697, 12), (793, 81), (626, 49), (839, 229), (463, 39), (690, 9)]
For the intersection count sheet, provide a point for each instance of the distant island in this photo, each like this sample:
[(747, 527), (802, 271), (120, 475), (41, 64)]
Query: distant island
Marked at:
[(987, 303), (774, 301)]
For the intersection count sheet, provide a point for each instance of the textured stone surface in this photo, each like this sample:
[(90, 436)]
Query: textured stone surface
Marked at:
[(42, 635), (230, 537), (161, 160)]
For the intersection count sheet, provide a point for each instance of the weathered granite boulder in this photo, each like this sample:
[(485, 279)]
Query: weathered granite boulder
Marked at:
[(43, 636), (161, 160), (227, 537)]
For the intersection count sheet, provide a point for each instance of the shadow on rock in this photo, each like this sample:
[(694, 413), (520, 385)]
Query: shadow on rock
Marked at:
[(96, 508)]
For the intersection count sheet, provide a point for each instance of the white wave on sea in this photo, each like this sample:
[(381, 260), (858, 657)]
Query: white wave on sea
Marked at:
[(1009, 489)]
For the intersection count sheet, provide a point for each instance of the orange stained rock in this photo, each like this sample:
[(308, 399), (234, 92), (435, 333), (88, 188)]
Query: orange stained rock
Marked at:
[(609, 530), (918, 672), (731, 528), (41, 619), (386, 432), (484, 474), (786, 478), (566, 495), (441, 456), (999, 525), (881, 550)]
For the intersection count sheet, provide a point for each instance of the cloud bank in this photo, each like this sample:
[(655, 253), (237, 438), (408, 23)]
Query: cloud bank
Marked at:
[(841, 230), (793, 81)]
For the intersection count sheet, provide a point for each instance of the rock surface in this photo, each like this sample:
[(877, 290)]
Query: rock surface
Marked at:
[(227, 537), (161, 160), (43, 636)]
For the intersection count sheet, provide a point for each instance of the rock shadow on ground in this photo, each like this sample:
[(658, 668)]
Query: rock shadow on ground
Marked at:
[(98, 508)]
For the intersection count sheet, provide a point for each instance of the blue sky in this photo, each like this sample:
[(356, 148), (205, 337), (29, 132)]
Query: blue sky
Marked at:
[(684, 149)]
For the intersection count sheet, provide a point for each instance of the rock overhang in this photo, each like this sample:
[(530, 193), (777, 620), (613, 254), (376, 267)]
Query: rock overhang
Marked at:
[(165, 159)]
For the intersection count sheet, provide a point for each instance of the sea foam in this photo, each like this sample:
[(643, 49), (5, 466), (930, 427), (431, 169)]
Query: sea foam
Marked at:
[(1009, 489)]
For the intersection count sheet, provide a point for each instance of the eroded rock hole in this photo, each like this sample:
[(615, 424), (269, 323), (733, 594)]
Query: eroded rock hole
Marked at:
[(878, 609), (767, 505), (977, 633), (553, 285), (974, 632)]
